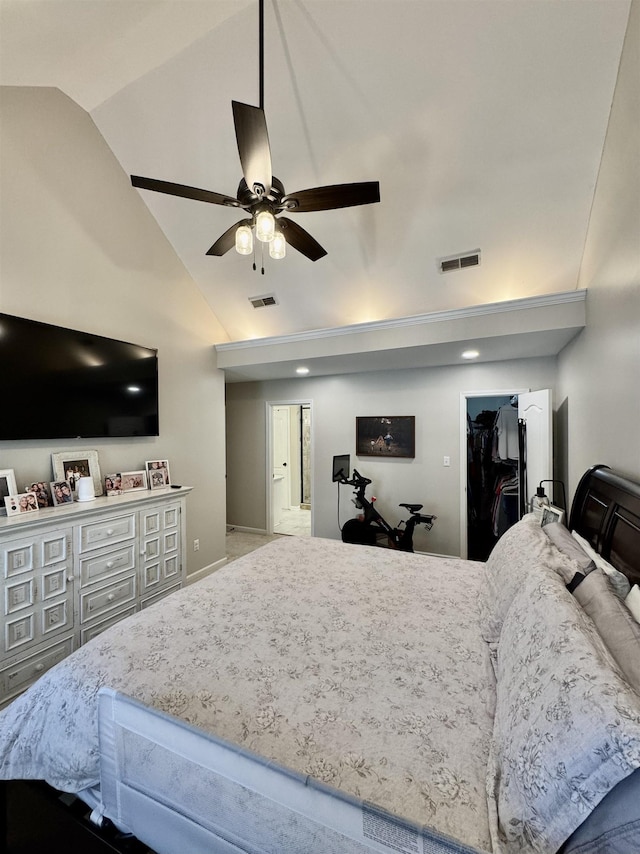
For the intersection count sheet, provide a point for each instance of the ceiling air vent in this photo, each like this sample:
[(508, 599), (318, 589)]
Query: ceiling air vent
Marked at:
[(263, 301), (459, 262)]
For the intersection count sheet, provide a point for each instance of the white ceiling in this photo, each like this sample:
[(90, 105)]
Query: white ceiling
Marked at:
[(483, 120)]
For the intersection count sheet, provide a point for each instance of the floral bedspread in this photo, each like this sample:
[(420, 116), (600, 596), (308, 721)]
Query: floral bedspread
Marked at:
[(362, 667)]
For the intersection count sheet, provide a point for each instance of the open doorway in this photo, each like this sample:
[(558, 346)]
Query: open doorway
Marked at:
[(289, 468), (506, 450), (490, 480)]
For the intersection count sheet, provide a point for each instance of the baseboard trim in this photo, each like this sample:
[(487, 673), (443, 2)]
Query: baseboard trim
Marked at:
[(204, 572), (244, 530)]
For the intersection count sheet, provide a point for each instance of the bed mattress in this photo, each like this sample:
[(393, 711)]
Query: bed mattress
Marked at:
[(361, 667)]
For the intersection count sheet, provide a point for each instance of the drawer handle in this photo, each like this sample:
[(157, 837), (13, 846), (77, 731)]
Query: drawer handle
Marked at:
[(39, 667), (109, 564), (111, 597), (109, 532)]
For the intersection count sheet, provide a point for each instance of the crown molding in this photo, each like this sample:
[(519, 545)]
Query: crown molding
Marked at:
[(485, 309)]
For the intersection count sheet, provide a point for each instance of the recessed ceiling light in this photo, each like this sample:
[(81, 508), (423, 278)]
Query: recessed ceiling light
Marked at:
[(302, 371), (470, 354)]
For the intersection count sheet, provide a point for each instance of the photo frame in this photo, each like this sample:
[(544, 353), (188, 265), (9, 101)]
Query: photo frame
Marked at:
[(23, 502), (133, 481), (72, 465), (551, 514), (157, 473), (8, 487), (113, 483), (43, 493), (61, 492), (389, 436)]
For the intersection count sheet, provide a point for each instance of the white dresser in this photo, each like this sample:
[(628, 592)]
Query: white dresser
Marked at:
[(69, 572)]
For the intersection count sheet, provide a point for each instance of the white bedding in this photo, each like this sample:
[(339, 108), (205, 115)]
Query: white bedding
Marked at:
[(361, 667)]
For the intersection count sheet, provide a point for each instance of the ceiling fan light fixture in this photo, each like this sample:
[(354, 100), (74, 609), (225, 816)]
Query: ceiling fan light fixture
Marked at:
[(265, 226), (244, 240), (278, 246)]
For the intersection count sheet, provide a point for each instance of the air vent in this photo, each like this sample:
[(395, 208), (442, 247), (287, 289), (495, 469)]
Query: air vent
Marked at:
[(263, 301), (459, 262)]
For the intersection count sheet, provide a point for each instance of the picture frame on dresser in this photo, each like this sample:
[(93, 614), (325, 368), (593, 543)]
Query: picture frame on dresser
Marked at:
[(133, 481), (158, 473), (72, 465), (23, 502), (7, 487), (61, 492)]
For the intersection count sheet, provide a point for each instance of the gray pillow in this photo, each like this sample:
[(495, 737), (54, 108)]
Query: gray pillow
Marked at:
[(613, 826), (568, 545), (567, 724), (614, 622)]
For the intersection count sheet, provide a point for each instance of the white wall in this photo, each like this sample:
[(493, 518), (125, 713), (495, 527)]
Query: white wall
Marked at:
[(78, 248), (432, 395), (599, 372)]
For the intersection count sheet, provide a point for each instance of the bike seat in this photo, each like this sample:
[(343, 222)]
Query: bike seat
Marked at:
[(412, 508)]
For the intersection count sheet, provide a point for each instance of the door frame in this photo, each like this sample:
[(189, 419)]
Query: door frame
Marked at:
[(464, 396), (269, 407)]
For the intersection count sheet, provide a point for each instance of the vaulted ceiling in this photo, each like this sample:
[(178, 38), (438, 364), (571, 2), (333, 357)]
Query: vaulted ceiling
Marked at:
[(483, 120)]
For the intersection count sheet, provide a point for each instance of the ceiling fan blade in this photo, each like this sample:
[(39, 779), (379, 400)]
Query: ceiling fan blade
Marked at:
[(227, 240), (184, 191), (300, 239), (253, 145), (332, 197)]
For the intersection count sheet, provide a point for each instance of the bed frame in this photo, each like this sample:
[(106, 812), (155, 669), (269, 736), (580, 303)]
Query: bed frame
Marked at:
[(605, 510)]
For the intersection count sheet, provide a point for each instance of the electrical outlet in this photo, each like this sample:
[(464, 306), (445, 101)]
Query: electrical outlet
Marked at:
[(196, 545), (447, 461)]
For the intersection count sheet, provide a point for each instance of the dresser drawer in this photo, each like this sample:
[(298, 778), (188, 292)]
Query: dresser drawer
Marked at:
[(96, 535), (96, 603), (95, 629), (102, 566), (16, 678), (150, 600)]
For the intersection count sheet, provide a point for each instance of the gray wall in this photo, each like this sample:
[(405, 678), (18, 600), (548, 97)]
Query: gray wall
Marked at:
[(80, 249), (432, 395), (599, 373)]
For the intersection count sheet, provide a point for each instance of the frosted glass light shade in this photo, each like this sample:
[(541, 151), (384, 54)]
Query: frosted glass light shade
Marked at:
[(265, 226), (244, 240), (278, 246)]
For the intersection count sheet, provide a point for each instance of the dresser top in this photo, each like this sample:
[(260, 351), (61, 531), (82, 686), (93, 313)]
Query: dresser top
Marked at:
[(80, 510)]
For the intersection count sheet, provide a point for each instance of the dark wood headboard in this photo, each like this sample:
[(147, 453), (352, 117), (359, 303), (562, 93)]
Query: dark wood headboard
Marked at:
[(606, 512)]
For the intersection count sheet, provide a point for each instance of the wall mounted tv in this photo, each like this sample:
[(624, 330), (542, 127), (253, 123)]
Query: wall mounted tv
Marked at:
[(58, 383)]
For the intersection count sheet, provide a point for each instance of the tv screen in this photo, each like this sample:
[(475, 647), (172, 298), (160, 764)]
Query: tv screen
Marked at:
[(58, 383)]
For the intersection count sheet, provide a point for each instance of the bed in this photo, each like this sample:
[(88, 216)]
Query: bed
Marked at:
[(317, 696)]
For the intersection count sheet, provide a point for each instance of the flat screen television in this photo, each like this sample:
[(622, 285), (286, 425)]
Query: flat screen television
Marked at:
[(58, 383)]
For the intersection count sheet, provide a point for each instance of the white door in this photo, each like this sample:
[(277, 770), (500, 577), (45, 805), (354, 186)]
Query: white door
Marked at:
[(535, 408), (280, 462)]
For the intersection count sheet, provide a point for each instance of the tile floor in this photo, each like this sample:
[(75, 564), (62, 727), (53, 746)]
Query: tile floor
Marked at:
[(294, 521)]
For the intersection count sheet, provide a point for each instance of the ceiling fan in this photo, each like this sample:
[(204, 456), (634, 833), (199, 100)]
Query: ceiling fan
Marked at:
[(261, 194)]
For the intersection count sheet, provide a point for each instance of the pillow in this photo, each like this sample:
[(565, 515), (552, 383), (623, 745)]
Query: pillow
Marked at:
[(618, 579), (519, 550), (614, 623), (614, 823), (569, 546), (567, 725), (632, 601)]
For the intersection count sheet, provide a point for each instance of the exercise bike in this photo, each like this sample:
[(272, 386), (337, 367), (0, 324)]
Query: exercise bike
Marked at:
[(369, 528)]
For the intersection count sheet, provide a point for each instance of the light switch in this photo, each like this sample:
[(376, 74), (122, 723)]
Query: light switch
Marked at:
[(447, 461)]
